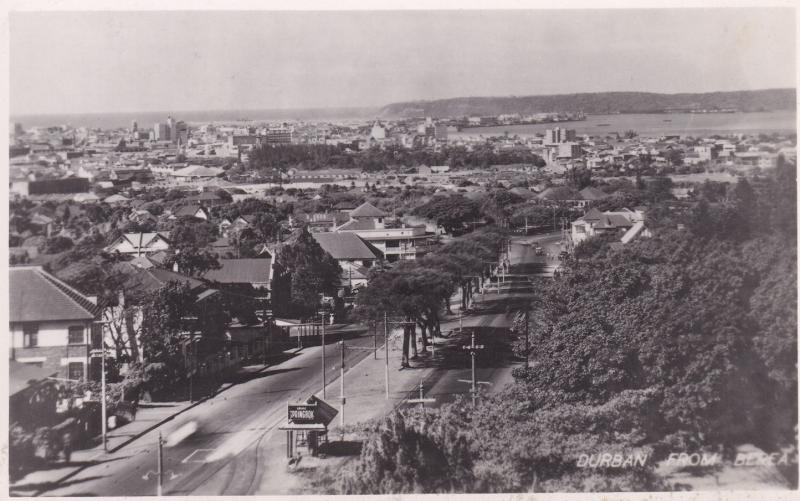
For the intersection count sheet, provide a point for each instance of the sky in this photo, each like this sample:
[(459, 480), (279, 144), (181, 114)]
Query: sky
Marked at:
[(93, 62)]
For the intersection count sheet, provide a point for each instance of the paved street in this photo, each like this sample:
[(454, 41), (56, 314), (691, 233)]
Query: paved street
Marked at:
[(226, 425), (232, 439)]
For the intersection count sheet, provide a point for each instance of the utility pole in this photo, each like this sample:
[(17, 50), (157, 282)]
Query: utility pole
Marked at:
[(341, 385), (160, 472), (473, 351), (421, 400), (103, 413), (324, 378), (386, 348)]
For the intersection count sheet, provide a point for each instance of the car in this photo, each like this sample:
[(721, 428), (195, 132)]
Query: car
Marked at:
[(563, 255), (539, 250)]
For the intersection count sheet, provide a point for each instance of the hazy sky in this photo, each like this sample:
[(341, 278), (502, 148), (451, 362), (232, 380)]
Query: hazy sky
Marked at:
[(153, 61)]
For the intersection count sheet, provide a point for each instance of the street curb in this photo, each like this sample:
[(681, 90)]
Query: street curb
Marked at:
[(149, 429)]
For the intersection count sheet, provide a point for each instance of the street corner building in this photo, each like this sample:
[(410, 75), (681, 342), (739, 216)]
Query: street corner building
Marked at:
[(52, 325)]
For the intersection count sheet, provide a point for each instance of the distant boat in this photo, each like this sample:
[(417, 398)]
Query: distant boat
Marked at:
[(603, 125)]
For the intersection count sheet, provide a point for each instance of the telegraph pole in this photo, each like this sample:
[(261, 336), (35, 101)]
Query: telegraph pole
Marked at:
[(386, 348), (103, 416), (473, 351), (324, 378), (160, 487), (421, 400), (527, 338), (341, 384)]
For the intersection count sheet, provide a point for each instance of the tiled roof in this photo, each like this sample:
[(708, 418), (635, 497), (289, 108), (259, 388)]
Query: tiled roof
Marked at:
[(241, 271), (367, 210), (188, 210), (343, 245), (37, 296)]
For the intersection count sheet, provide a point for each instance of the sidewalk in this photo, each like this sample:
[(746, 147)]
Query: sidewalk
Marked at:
[(148, 417)]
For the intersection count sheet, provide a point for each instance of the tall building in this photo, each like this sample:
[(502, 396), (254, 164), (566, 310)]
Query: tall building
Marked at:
[(559, 135), (278, 135), (161, 132), (18, 130), (440, 133), (134, 126), (170, 128), (180, 133)]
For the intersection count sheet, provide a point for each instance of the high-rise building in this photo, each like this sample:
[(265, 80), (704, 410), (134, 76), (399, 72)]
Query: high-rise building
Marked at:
[(134, 126), (278, 135), (559, 135), (440, 133), (180, 133), (161, 132), (18, 130)]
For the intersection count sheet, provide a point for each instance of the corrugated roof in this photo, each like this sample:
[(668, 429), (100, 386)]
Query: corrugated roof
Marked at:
[(367, 210), (241, 271), (37, 296), (356, 225), (343, 245), (560, 193)]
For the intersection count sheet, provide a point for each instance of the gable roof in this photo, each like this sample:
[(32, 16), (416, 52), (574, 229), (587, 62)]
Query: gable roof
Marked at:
[(146, 238), (592, 193), (189, 210), (343, 245), (150, 279), (37, 296), (367, 210), (241, 271)]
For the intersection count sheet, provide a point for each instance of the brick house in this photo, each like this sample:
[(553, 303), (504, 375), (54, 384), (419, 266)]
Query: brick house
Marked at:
[(51, 324)]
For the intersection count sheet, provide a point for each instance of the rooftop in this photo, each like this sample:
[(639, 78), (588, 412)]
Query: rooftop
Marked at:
[(37, 296), (343, 245)]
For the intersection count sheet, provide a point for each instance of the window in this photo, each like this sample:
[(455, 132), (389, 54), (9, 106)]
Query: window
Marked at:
[(75, 371), (392, 244), (30, 335), (75, 335)]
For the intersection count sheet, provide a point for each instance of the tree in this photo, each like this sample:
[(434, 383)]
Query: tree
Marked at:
[(191, 261), (309, 272), (168, 315), (453, 213)]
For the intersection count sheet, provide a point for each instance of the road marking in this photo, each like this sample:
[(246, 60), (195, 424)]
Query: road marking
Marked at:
[(190, 457)]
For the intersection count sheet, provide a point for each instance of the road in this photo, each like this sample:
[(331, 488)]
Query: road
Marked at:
[(229, 425), (226, 453)]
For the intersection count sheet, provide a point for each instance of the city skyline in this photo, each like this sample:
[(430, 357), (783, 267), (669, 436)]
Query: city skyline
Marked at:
[(226, 60)]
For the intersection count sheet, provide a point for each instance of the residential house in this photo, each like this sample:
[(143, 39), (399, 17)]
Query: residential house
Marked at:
[(139, 243), (51, 324), (256, 272), (346, 248), (595, 222), (394, 244), (191, 210)]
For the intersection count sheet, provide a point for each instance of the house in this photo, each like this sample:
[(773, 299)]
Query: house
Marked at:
[(595, 222), (255, 272), (191, 210), (238, 224), (393, 244), (51, 324), (563, 194), (139, 243), (346, 248)]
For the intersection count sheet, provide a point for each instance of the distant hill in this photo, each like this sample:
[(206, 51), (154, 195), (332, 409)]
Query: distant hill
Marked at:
[(596, 102)]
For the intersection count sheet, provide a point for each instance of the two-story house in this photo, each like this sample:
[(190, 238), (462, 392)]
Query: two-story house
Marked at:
[(395, 244), (51, 324)]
